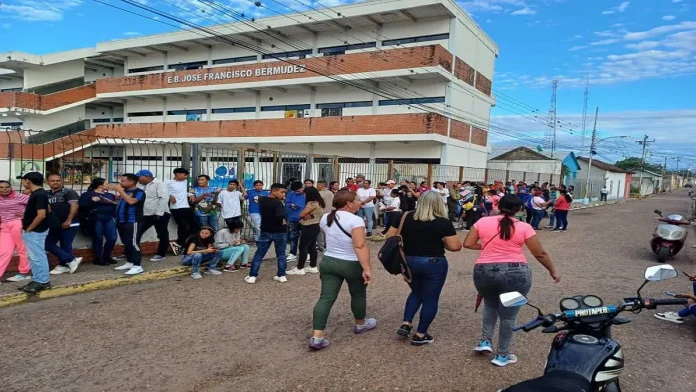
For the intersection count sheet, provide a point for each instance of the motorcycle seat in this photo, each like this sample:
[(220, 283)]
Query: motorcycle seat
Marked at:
[(554, 381)]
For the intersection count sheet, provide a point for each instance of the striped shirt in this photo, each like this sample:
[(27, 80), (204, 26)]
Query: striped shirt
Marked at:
[(131, 213), (12, 207)]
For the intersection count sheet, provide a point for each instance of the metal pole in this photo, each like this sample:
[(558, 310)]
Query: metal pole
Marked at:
[(642, 167), (589, 167)]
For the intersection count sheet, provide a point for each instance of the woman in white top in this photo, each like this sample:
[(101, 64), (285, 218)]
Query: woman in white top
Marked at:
[(346, 258), (393, 208)]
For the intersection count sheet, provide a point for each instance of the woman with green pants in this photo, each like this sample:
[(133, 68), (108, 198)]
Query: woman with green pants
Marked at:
[(346, 258)]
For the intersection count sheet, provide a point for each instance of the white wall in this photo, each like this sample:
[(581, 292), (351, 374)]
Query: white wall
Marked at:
[(616, 184), (152, 59), (47, 122), (149, 105), (49, 74), (530, 166), (468, 47), (9, 119), (406, 29), (195, 53), (12, 83)]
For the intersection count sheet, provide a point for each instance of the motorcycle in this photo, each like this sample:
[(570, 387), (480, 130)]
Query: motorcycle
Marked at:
[(669, 236), (583, 356)]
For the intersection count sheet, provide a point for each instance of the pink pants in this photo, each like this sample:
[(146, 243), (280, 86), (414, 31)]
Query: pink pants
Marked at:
[(11, 238)]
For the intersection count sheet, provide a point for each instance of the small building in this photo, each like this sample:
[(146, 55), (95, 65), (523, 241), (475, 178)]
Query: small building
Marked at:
[(603, 175), (525, 164), (648, 183), (571, 176)]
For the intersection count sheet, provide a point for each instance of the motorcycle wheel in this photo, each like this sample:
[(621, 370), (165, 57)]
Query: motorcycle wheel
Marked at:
[(662, 254)]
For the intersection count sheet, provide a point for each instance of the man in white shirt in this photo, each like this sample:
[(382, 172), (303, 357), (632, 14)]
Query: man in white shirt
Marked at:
[(229, 201), (156, 210), (603, 193), (386, 200), (367, 195), (186, 221)]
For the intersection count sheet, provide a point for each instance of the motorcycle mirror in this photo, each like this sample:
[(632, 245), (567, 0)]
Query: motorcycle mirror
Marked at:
[(513, 299), (658, 212), (660, 272)]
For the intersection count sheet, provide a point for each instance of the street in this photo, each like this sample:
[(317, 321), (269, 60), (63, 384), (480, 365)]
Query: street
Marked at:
[(220, 334)]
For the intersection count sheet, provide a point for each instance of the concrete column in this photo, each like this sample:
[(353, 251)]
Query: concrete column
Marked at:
[(196, 166), (313, 103), (379, 37), (164, 109), (210, 55), (208, 107), (257, 113), (166, 60), (315, 44), (186, 156), (375, 100), (310, 161), (373, 162)]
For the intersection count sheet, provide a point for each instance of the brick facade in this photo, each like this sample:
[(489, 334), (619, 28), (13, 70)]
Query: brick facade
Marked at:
[(32, 101), (464, 71), (483, 84), (479, 136)]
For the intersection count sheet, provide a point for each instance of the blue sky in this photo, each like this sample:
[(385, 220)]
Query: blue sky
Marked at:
[(640, 55)]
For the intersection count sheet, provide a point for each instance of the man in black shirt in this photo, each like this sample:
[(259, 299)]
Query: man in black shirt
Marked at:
[(129, 216), (64, 205), (35, 230), (273, 230)]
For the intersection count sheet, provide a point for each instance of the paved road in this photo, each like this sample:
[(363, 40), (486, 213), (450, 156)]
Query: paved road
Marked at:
[(220, 334)]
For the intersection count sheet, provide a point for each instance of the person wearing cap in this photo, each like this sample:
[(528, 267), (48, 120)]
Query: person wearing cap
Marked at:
[(155, 211), (186, 222), (35, 231)]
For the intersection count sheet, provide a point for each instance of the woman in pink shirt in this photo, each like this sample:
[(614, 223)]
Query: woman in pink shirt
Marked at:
[(494, 199), (12, 206), (502, 267)]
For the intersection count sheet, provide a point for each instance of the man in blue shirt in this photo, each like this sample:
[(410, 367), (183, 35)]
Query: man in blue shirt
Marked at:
[(129, 216), (205, 200), (294, 204), (254, 211)]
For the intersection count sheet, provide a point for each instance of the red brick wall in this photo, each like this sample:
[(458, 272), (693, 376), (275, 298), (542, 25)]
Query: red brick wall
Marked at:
[(483, 84), (460, 131), (420, 56), (47, 102), (464, 71), (479, 136)]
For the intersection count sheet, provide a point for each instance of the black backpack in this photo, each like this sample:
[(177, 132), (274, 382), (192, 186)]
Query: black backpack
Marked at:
[(392, 254)]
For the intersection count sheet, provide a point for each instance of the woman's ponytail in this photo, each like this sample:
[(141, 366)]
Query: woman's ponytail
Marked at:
[(509, 205)]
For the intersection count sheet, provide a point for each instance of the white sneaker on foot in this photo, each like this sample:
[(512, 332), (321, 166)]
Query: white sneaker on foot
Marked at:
[(60, 269), (213, 272), (250, 279), (295, 271), (124, 267), (291, 257), (196, 275), (19, 278), (135, 270), (672, 317), (74, 264), (281, 279), (311, 270)]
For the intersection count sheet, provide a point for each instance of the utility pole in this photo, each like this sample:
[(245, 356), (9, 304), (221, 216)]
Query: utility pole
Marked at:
[(584, 110), (592, 147), (662, 178), (644, 143)]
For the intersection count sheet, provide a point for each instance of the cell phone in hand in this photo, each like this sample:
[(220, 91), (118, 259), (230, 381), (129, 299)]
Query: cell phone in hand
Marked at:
[(670, 293)]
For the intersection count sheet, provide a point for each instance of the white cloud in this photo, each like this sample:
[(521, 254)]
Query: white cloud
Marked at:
[(577, 47), (35, 10), (669, 17), (494, 6), (131, 33), (608, 12), (524, 11), (644, 45), (643, 35), (622, 7), (676, 1), (575, 37), (619, 8)]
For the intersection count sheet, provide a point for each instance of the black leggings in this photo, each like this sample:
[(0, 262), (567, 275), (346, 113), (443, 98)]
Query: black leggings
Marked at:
[(308, 245), (393, 218)]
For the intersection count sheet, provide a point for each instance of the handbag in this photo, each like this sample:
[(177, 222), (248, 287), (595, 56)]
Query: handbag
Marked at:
[(392, 254)]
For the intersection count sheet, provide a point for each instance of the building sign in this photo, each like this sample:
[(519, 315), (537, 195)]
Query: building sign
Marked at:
[(238, 74)]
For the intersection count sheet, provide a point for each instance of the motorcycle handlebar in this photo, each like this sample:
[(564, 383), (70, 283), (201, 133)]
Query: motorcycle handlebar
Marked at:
[(654, 303)]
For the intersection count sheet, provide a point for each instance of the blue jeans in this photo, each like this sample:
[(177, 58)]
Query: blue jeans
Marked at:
[(36, 253), (66, 238), (561, 220), (552, 218), (537, 216), (294, 228), (232, 253), (256, 222), (209, 220), (104, 230), (195, 260), (366, 213), (279, 240), (428, 277)]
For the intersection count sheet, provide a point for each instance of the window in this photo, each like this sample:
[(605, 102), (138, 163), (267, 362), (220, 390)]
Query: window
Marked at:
[(279, 108), (234, 60), (250, 109), (147, 69), (12, 124), (411, 101), (118, 119), (191, 65), (424, 38), (185, 112), (359, 104), (298, 54), (101, 120), (332, 112), (334, 50), (144, 114), (10, 90)]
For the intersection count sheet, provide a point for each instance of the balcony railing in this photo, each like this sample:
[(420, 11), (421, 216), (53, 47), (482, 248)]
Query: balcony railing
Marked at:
[(57, 133)]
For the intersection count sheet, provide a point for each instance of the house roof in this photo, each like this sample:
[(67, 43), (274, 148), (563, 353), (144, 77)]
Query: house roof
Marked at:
[(638, 170), (521, 154), (604, 166)]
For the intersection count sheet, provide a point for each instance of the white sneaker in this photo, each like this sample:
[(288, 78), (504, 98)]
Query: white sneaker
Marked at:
[(212, 272), (670, 316), (19, 278), (311, 270), (74, 264), (196, 275), (295, 271), (291, 257), (250, 279), (135, 270), (60, 270), (281, 279), (124, 267)]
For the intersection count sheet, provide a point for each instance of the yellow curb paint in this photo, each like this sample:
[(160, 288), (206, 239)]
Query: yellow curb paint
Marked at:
[(79, 288)]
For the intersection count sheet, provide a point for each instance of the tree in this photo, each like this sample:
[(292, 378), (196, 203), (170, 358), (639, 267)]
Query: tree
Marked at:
[(634, 163)]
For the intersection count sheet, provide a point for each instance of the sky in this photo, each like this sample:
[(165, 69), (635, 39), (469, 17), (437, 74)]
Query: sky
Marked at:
[(640, 56)]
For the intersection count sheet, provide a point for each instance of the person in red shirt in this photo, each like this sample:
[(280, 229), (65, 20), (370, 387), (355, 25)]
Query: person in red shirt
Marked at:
[(351, 185), (562, 207)]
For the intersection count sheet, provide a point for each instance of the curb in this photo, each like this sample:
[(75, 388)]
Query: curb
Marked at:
[(79, 288)]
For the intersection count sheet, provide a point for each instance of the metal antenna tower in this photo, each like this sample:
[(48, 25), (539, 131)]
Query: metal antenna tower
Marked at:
[(584, 110), (550, 137)]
